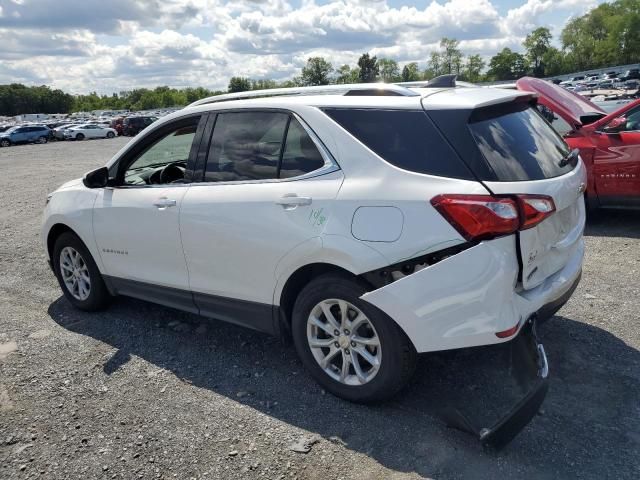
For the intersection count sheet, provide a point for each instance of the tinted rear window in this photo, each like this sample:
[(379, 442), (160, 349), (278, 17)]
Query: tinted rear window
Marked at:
[(404, 138), (519, 144)]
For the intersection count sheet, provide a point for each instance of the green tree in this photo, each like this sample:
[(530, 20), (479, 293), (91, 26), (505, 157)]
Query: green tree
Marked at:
[(316, 71), (450, 56), (369, 69), (507, 65), (410, 72), (554, 62), (434, 65), (346, 75), (473, 68), (239, 84), (389, 70), (537, 43)]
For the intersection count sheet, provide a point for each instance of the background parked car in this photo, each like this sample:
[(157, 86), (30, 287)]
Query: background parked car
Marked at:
[(88, 130), (58, 132), (131, 126), (632, 74), (25, 134)]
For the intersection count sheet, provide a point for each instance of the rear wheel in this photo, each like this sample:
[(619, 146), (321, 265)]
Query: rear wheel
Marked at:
[(78, 274), (80, 136), (5, 142), (353, 349)]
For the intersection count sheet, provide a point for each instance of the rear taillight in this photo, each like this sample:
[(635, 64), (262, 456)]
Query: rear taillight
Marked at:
[(477, 217), (534, 209), (480, 217)]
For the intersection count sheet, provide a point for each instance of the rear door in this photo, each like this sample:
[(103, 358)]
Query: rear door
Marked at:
[(267, 187), (529, 158)]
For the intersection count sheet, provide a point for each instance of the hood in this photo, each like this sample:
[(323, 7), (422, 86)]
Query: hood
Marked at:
[(573, 108), (70, 184)]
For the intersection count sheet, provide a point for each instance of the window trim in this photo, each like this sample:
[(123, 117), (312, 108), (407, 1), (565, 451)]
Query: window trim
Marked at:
[(330, 163), (128, 157)]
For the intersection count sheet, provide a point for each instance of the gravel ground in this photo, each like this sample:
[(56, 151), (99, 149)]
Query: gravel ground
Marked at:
[(142, 391)]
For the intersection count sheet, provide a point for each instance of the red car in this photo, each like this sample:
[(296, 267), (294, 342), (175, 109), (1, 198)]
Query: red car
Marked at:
[(609, 143)]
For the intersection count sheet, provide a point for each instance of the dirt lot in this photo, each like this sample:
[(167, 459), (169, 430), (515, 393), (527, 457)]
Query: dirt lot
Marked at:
[(142, 391)]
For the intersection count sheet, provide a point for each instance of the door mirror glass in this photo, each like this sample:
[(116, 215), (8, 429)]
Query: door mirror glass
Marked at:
[(98, 178)]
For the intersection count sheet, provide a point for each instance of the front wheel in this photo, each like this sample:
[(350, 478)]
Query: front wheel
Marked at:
[(80, 136), (110, 134), (78, 274), (43, 140), (5, 143), (353, 349)]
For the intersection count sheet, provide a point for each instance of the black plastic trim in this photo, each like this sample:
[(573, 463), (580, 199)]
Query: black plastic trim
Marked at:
[(258, 316)]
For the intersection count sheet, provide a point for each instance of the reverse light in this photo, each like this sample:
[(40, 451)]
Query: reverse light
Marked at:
[(481, 217)]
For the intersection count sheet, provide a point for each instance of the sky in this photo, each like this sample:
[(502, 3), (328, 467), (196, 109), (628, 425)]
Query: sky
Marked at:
[(115, 45)]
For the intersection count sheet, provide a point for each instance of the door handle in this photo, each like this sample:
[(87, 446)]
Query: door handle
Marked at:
[(164, 202), (292, 200)]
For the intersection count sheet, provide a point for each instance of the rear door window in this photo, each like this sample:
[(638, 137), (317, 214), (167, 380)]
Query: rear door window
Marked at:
[(405, 138), (519, 144), (246, 146), (300, 156)]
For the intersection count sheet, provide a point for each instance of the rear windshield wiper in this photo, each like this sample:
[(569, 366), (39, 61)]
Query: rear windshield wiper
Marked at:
[(570, 158)]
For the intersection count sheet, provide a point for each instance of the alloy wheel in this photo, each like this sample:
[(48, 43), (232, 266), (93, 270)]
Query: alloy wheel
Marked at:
[(344, 342), (75, 273)]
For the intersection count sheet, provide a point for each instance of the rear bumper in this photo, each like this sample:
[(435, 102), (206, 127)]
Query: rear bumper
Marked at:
[(464, 300), (530, 365)]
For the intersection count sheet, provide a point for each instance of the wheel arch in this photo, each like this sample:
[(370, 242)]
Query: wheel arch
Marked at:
[(54, 232), (298, 280)]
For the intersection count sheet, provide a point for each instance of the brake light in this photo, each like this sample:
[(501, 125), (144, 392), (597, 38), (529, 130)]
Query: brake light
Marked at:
[(534, 209), (480, 217)]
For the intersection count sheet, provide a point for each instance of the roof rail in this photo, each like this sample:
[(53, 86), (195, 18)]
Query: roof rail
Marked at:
[(362, 89)]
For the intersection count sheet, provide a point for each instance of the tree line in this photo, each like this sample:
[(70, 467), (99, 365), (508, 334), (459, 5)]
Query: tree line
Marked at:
[(606, 36)]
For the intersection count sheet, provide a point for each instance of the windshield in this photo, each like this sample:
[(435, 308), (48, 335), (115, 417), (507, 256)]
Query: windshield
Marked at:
[(519, 145)]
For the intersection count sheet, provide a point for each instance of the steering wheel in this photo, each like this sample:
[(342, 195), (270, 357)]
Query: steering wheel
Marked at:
[(172, 172)]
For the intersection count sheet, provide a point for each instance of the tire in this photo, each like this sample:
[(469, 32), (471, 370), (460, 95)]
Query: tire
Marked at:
[(110, 135), (98, 296), (80, 136), (395, 353), (43, 140), (5, 142)]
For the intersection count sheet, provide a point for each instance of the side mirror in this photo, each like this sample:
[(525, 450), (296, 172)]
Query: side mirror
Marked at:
[(616, 125), (98, 178)]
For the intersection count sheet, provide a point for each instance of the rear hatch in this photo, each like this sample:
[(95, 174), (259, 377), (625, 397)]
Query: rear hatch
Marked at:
[(515, 152)]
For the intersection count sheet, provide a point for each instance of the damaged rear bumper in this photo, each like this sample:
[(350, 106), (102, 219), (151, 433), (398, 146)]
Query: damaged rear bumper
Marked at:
[(531, 369)]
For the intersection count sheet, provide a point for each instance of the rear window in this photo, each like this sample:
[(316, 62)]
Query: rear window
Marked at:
[(404, 138), (519, 144)]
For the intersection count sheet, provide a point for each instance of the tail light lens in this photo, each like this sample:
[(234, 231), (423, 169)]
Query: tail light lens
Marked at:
[(534, 209), (480, 217)]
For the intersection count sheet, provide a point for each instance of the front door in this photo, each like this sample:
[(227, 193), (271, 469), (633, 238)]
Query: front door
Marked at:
[(261, 197), (616, 162), (136, 222)]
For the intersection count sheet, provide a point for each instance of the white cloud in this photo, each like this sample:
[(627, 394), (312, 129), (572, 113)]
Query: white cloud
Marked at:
[(119, 44)]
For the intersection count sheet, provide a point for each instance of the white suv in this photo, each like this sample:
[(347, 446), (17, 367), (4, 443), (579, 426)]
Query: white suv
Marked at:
[(369, 223)]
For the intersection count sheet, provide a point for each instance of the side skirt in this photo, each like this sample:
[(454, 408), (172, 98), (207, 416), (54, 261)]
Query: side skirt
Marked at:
[(254, 315)]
